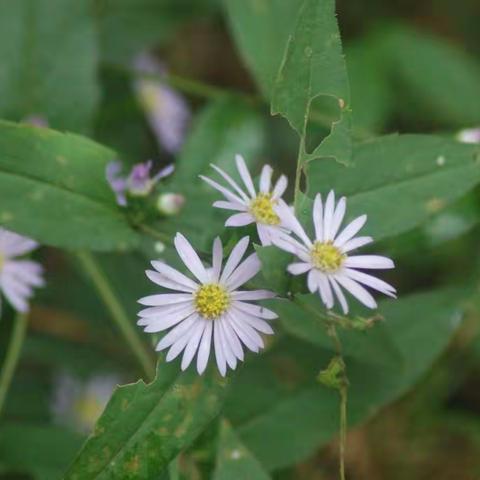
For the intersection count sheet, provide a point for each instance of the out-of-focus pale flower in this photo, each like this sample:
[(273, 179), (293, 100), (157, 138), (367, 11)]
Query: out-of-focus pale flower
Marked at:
[(253, 207), (138, 183), (36, 121), (208, 307), (469, 135), (79, 403), (170, 203), (167, 111), (327, 259), (18, 277)]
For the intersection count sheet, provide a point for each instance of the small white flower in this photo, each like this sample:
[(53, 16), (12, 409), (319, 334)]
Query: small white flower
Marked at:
[(167, 111), (18, 276), (254, 207), (327, 259), (469, 135), (207, 308), (170, 203), (78, 403)]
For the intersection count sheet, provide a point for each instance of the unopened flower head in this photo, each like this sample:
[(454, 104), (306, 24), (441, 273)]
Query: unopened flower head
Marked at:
[(170, 203), (167, 111), (469, 135), (253, 207), (328, 259), (208, 309), (138, 183), (78, 403), (18, 277)]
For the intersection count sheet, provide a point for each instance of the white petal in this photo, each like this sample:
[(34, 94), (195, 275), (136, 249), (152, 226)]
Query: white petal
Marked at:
[(224, 191), (339, 294), (325, 289), (230, 205), (165, 299), (164, 282), (298, 268), (318, 217), (232, 183), (240, 220), (312, 282), (177, 348), (252, 295), (280, 187), (190, 258), (219, 355), (217, 258), (350, 231), (254, 322), (338, 216), (328, 216), (255, 310), (356, 242), (289, 244), (266, 178), (356, 290), (15, 293), (192, 345), (290, 221), (234, 258), (13, 245), (174, 276), (264, 234), (227, 351), (175, 333), (369, 261), (153, 312), (162, 322), (232, 339), (26, 271), (204, 348), (371, 281), (244, 272), (248, 335), (245, 174)]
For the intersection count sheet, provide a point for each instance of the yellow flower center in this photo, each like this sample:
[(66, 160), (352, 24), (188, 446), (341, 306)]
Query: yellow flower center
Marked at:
[(326, 257), (261, 208), (211, 300), (88, 409)]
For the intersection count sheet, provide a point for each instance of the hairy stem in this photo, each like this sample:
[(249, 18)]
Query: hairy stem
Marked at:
[(117, 312), (13, 354)]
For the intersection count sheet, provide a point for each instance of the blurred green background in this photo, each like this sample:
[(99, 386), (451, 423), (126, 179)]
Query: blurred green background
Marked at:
[(414, 67)]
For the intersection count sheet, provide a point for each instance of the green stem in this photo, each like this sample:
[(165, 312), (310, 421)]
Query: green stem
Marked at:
[(117, 312), (152, 232), (12, 356), (298, 174), (343, 428)]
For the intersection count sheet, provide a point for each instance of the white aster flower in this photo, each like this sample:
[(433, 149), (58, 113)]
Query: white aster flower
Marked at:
[(253, 207), (167, 111), (18, 276), (327, 258), (209, 307), (78, 403), (469, 135)]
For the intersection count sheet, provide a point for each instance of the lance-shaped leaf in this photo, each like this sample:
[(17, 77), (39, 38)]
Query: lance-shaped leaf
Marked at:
[(314, 67), (48, 62), (144, 427), (399, 181), (234, 461), (53, 189)]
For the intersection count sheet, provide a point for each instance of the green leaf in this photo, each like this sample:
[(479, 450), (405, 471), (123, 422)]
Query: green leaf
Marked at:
[(53, 188), (39, 450), (48, 62), (224, 128), (399, 181), (283, 415), (439, 74), (261, 29), (127, 27), (234, 461), (144, 427), (274, 265), (314, 67)]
